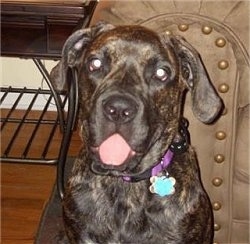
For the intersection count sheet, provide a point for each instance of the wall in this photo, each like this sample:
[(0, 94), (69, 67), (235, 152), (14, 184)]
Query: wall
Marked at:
[(21, 73)]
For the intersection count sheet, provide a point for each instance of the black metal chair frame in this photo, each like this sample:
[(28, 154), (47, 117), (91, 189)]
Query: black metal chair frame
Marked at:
[(66, 123)]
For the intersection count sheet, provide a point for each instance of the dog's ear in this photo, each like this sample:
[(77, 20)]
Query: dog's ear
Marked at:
[(206, 103), (72, 52)]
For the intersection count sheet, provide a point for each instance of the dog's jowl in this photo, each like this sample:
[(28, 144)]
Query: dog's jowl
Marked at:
[(136, 179)]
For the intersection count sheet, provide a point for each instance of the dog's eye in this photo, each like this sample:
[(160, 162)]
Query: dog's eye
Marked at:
[(161, 74), (95, 64)]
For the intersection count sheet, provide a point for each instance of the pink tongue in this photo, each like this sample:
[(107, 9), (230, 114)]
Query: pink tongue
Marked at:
[(114, 150)]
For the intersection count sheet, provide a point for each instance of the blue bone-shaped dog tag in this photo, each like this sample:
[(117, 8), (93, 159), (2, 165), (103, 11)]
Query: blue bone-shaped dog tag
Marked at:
[(162, 185)]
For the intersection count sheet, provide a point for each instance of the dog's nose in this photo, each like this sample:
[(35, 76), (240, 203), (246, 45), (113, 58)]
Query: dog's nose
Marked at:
[(119, 109)]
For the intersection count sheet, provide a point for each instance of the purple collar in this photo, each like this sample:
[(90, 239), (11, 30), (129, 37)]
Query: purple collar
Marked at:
[(166, 160)]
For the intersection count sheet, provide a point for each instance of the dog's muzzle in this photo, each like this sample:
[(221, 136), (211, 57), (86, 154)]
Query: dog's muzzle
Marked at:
[(117, 119)]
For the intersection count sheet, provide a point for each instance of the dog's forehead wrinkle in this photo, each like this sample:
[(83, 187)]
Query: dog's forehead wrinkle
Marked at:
[(139, 49), (119, 47)]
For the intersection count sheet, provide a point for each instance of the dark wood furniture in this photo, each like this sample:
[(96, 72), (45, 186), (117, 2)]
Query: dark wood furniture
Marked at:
[(40, 28)]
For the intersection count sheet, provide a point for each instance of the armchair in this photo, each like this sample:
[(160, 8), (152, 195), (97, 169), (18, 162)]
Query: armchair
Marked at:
[(219, 30)]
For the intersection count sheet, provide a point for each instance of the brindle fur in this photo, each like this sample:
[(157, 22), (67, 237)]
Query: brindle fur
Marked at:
[(99, 206)]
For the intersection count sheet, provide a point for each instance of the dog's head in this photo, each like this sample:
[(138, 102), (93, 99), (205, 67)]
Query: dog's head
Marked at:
[(131, 87)]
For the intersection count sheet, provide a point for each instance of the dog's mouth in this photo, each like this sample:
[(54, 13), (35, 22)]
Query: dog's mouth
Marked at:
[(118, 156), (114, 154), (115, 151)]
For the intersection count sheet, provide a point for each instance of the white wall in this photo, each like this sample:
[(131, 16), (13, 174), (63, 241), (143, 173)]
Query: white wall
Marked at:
[(21, 73)]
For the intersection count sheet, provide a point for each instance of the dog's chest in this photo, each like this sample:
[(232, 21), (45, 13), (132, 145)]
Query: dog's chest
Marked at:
[(122, 207), (110, 210)]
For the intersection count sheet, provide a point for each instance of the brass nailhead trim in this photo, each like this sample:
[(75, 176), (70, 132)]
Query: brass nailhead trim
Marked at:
[(220, 42), (168, 32), (216, 206), (224, 112), (217, 181), (224, 88), (207, 30), (220, 135), (223, 64), (183, 27), (219, 158), (217, 227)]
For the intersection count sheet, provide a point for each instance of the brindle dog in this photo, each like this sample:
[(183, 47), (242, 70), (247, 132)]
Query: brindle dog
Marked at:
[(132, 84)]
